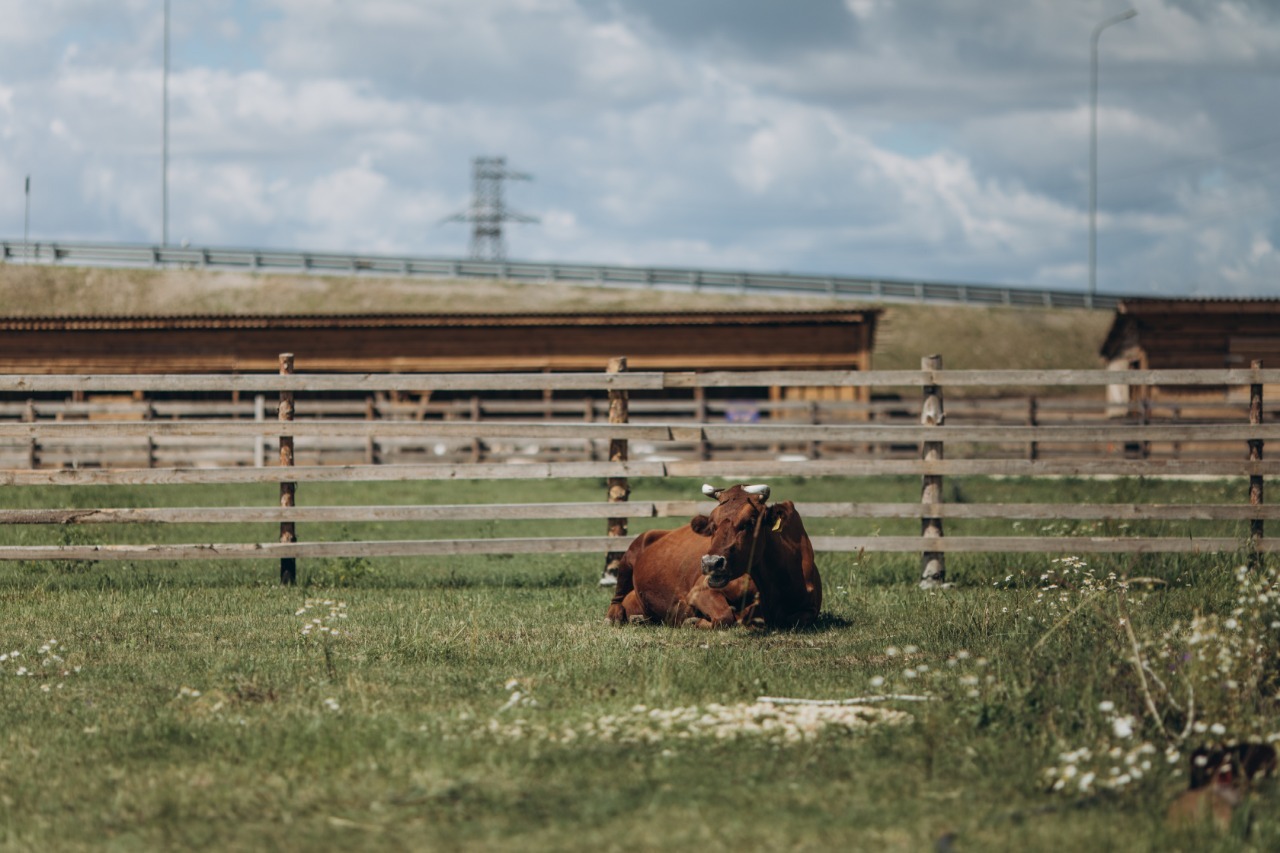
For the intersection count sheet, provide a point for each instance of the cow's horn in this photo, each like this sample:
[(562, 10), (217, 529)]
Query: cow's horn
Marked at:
[(761, 490), (710, 490)]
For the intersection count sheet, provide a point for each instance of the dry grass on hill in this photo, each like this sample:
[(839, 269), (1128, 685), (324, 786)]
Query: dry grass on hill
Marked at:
[(967, 337)]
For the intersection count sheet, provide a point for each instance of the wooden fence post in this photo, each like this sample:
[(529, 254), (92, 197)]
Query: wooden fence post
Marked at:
[(149, 414), (589, 416), (700, 414), (1033, 419), (33, 446), (288, 491), (815, 448), (1255, 455), (477, 446), (933, 563), (371, 454), (619, 489), (1146, 421), (259, 443)]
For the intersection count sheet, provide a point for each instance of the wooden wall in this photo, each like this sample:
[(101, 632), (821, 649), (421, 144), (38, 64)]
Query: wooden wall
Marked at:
[(1172, 334), (439, 343)]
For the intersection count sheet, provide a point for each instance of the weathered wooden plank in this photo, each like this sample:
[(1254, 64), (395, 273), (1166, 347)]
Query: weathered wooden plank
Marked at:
[(301, 383), (599, 544), (329, 473), (54, 431), (1038, 544), (328, 407), (1042, 512), (314, 514), (995, 434), (639, 509), (277, 550), (747, 470), (970, 378), (105, 432), (980, 378), (755, 469)]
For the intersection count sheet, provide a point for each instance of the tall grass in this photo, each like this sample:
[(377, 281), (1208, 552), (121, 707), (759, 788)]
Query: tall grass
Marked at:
[(481, 703)]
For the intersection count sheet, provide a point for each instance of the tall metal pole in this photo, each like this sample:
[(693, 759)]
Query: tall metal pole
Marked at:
[(1093, 146), (26, 221), (164, 177)]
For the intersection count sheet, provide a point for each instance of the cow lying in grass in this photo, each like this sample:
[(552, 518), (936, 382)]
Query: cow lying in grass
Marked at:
[(745, 563)]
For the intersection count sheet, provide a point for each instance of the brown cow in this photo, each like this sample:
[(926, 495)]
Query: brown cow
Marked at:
[(745, 563)]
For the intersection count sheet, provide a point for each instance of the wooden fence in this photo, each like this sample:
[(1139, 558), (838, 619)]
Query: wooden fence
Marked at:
[(170, 447), (937, 459)]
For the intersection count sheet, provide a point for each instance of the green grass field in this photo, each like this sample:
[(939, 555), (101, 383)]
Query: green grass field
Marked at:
[(481, 703)]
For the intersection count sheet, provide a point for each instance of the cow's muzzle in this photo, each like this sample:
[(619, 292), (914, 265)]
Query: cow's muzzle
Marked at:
[(715, 566)]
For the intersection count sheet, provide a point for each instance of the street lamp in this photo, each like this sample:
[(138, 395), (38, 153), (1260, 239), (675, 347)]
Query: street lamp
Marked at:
[(164, 157), (1093, 147), (26, 220)]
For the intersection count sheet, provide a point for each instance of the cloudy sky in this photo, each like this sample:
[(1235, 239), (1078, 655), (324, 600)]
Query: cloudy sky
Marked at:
[(937, 139)]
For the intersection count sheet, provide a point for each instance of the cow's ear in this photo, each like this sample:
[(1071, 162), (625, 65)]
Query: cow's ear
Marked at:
[(701, 525), (780, 515)]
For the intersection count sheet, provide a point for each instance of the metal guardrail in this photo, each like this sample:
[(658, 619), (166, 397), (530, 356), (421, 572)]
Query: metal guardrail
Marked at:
[(658, 278)]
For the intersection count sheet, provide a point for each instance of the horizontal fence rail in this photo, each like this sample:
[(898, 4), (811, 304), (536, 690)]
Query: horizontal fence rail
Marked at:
[(649, 432), (598, 544), (598, 470), (637, 381), (924, 432), (631, 509), (653, 278)]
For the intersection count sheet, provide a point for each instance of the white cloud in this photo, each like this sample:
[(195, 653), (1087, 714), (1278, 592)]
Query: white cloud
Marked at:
[(950, 146)]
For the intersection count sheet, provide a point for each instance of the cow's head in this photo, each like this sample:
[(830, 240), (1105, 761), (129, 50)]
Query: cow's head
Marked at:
[(734, 528)]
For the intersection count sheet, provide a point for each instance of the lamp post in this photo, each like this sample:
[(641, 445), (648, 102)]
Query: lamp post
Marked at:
[(26, 220), (1093, 146), (164, 157)]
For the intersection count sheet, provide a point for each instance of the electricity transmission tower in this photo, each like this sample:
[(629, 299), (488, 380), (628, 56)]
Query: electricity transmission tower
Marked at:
[(488, 208)]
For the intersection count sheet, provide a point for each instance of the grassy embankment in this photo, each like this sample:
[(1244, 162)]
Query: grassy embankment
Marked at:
[(966, 337)]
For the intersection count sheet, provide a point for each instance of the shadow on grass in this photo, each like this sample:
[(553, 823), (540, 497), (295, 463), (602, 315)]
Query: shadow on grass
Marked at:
[(828, 622)]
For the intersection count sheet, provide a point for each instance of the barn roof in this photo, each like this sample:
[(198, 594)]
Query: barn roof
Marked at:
[(401, 321), (665, 340), (1148, 317)]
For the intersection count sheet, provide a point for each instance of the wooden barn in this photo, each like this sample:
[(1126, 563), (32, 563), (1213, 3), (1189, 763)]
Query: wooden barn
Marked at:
[(1151, 334), (443, 343)]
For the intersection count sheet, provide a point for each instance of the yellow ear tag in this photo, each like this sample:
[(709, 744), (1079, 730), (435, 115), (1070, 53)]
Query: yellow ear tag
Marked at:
[(777, 525)]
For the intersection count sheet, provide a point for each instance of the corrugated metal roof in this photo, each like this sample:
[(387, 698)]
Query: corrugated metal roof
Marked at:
[(358, 321), (1134, 314), (1217, 305)]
